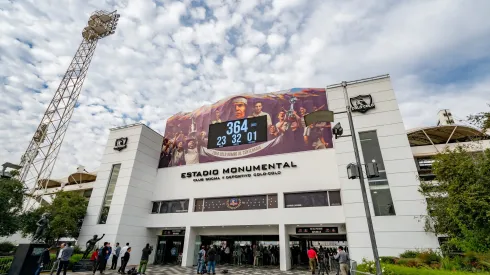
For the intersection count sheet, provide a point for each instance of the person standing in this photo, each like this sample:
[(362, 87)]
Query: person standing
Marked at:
[(124, 261), (212, 260), (200, 260), (144, 258), (343, 259), (312, 259), (122, 253), (103, 256), (65, 259), (115, 255), (43, 260)]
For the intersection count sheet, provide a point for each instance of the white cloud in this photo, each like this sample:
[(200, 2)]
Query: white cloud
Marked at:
[(275, 40), (174, 56)]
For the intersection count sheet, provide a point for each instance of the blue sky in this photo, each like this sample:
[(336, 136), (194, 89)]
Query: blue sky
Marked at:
[(171, 56)]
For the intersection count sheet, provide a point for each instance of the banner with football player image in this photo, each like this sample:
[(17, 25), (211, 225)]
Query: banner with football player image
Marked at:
[(186, 134)]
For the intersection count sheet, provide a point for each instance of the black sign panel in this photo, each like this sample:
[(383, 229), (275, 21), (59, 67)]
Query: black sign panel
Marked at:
[(317, 230), (237, 132), (174, 232)]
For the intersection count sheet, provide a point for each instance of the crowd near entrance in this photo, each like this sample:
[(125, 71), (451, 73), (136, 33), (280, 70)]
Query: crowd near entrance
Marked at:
[(328, 244), (251, 250), (170, 247)]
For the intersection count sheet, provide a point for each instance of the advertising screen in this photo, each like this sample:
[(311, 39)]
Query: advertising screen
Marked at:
[(218, 132)]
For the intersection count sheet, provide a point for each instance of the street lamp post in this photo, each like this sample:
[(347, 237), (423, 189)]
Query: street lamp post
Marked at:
[(361, 180)]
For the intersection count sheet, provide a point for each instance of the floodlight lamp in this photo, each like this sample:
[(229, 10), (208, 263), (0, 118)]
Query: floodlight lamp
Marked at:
[(337, 130), (352, 171)]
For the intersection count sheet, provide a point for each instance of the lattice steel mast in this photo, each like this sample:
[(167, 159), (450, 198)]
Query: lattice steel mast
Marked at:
[(40, 157)]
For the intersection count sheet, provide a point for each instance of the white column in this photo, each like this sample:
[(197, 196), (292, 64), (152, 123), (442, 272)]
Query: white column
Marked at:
[(284, 251), (189, 247)]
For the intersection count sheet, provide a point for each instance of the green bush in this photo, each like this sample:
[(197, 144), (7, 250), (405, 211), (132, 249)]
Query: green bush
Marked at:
[(77, 250), (388, 260), (5, 263), (403, 270), (7, 247), (414, 262), (429, 257), (409, 254)]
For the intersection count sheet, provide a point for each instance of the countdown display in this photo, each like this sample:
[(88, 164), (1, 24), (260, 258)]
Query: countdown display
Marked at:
[(237, 132), (262, 124)]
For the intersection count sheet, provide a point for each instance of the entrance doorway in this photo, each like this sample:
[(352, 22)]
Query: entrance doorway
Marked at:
[(243, 250), (299, 245), (169, 249)]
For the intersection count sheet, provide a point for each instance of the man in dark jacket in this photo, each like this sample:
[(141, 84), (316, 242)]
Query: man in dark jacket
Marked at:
[(43, 260), (102, 257), (212, 259), (144, 258), (125, 260)]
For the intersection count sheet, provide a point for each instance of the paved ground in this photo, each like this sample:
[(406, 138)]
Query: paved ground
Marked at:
[(177, 270)]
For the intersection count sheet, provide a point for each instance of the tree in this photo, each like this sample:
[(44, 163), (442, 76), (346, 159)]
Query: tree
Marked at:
[(458, 201), (11, 198), (481, 120), (66, 214)]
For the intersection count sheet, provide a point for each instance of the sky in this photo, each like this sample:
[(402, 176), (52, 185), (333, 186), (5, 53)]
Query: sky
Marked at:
[(170, 56)]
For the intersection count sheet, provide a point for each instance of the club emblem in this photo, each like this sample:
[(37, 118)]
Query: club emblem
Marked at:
[(361, 103), (233, 203), (121, 143)]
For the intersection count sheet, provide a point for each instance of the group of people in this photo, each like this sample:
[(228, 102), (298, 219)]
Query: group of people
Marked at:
[(101, 256), (63, 257), (321, 258), (181, 146)]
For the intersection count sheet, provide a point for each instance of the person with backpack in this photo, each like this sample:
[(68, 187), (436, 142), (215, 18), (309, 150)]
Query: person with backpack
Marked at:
[(212, 260), (43, 261), (144, 258)]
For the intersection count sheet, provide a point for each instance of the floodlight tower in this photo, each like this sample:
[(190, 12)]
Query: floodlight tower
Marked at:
[(40, 157)]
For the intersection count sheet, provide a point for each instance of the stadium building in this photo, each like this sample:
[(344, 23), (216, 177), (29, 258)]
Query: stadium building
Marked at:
[(280, 184)]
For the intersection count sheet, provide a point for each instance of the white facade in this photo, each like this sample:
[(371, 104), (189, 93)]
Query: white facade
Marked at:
[(140, 182)]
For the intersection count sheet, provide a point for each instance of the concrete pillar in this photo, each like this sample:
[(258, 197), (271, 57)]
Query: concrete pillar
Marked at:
[(189, 247), (284, 251)]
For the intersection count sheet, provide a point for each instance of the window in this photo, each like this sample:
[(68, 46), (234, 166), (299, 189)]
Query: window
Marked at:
[(236, 203), (380, 190), (165, 207), (334, 198), (109, 192), (272, 201), (382, 202), (308, 199)]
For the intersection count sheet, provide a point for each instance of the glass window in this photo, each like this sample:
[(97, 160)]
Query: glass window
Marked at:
[(371, 152), (155, 207), (165, 207), (198, 205), (272, 201), (308, 199), (236, 203), (109, 192), (334, 198), (382, 202)]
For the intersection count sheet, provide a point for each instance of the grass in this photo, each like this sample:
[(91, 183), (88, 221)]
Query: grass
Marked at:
[(403, 270)]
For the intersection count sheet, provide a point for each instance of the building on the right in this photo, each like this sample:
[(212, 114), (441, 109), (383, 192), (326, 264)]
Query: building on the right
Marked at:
[(426, 142)]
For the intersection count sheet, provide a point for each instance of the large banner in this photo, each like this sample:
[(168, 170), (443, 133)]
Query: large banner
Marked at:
[(186, 140)]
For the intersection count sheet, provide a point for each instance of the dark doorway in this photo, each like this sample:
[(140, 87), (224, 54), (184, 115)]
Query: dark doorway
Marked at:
[(239, 250), (169, 249), (299, 245)]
